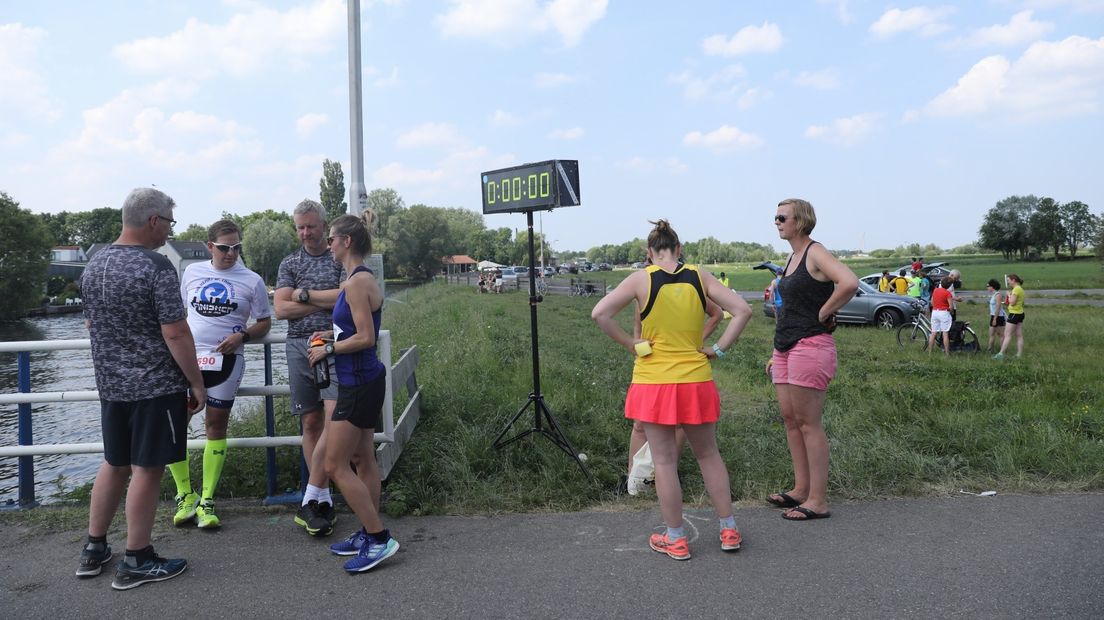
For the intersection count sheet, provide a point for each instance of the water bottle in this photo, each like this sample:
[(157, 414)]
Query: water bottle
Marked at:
[(322, 368)]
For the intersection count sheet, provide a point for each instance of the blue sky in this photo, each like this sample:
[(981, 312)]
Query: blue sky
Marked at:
[(900, 122)]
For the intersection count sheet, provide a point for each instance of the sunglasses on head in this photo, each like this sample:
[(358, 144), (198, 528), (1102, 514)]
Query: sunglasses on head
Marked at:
[(781, 219), (222, 247)]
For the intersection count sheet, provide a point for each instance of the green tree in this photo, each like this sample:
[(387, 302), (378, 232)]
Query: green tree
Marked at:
[(418, 242), (102, 225), (56, 224), (332, 185), (464, 229), (1005, 227), (1078, 224), (25, 244), (195, 232), (387, 204), (1045, 226), (265, 242)]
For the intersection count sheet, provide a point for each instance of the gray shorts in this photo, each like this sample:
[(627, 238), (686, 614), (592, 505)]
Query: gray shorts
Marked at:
[(305, 398)]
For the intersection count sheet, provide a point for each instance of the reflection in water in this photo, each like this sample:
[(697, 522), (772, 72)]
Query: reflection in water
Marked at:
[(79, 422)]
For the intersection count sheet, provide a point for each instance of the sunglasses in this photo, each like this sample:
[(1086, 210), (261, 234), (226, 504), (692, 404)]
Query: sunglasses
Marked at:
[(781, 219), (171, 221), (222, 247)]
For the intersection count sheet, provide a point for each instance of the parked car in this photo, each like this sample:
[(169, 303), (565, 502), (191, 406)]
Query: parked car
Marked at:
[(638, 265), (549, 272), (509, 275), (869, 307), (605, 267), (936, 271)]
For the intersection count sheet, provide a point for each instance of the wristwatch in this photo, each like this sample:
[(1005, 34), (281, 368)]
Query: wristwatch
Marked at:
[(304, 296), (329, 348)]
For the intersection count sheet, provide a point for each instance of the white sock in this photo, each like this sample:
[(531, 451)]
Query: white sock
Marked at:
[(324, 496), (312, 492)]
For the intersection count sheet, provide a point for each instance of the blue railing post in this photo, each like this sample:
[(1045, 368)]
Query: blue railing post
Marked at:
[(26, 436), (270, 425)]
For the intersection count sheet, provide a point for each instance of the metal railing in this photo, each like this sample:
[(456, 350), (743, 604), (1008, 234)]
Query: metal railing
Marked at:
[(391, 437)]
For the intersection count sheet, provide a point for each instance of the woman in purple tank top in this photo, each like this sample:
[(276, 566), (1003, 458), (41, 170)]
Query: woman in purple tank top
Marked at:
[(815, 285)]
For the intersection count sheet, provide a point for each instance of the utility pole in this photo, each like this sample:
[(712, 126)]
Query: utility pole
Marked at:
[(358, 194)]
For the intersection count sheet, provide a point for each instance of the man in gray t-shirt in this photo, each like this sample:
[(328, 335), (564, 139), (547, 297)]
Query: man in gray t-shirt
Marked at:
[(144, 359), (306, 291)]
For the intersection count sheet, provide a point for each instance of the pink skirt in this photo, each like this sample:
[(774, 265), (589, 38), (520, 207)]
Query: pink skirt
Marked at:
[(673, 403)]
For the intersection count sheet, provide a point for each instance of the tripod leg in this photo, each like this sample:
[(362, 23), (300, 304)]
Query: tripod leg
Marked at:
[(557, 436), (498, 442)]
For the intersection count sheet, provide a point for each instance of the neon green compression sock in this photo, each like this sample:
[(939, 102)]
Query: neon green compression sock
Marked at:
[(214, 455), (181, 476)]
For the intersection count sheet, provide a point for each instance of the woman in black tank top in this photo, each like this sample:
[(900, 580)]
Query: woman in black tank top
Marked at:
[(815, 285)]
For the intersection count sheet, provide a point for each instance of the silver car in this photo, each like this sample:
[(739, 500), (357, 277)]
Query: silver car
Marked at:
[(869, 307)]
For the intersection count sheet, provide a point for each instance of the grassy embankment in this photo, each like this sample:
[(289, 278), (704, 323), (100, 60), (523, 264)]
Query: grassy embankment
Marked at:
[(900, 422)]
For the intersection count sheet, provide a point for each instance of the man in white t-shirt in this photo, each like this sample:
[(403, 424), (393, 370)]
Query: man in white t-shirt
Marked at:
[(220, 296)]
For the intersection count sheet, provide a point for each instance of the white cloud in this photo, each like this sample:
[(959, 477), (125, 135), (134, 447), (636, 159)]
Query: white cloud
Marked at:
[(842, 12), (926, 21), (749, 40), (670, 165), (1080, 6), (245, 44), (573, 133), (825, 79), (1019, 30), (724, 138), (379, 79), (553, 80), (509, 22), (1050, 79), (847, 131), (431, 135), (306, 124), (502, 118), (752, 97), (721, 84), (398, 174), (24, 90)]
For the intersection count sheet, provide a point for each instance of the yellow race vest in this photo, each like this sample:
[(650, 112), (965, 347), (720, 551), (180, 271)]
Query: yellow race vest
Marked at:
[(673, 319)]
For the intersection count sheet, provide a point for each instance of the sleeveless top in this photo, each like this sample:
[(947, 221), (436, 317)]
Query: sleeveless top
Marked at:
[(994, 310), (673, 319), (361, 366), (804, 295)]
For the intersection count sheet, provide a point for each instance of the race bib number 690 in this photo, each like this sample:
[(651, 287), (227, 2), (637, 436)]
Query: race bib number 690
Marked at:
[(209, 361)]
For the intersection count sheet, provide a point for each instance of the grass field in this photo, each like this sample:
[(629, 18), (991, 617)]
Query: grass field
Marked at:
[(976, 270), (900, 422)]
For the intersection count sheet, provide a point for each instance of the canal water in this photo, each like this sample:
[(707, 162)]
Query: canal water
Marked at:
[(79, 422)]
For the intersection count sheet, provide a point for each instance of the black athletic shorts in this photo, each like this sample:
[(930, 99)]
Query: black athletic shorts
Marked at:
[(1015, 318), (148, 433), (996, 320), (362, 405)]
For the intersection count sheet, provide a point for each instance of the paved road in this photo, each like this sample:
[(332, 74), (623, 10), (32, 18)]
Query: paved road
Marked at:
[(957, 557)]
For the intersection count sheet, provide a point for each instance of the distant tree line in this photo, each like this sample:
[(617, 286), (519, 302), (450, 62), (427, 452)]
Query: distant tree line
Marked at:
[(1019, 224)]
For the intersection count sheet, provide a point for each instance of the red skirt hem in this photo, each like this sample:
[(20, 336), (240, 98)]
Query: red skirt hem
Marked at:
[(673, 403)]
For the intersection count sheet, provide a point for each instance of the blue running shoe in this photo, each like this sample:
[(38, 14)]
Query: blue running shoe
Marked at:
[(351, 545), (155, 569), (371, 554)]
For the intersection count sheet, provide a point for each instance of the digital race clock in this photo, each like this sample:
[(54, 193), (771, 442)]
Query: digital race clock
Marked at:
[(531, 187)]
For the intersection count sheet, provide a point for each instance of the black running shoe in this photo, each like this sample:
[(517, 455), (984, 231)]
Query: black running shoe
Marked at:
[(307, 514), (324, 521), (154, 569), (92, 560)]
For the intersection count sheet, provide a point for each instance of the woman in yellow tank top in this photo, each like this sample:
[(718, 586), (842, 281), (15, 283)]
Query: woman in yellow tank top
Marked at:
[(672, 381)]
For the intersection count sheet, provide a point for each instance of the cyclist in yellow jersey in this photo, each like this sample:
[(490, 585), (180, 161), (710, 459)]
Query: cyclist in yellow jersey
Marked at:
[(672, 381)]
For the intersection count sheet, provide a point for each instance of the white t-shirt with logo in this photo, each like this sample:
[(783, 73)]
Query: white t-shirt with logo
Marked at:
[(220, 302)]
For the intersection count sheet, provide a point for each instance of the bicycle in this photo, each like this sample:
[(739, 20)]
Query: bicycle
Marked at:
[(961, 336)]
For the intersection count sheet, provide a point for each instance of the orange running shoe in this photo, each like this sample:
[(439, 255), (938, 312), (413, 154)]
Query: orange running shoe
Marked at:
[(678, 549), (730, 539)]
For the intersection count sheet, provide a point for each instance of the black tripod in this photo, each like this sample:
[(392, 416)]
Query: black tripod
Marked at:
[(544, 423)]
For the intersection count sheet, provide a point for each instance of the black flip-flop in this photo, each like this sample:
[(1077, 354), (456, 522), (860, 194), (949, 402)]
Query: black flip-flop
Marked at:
[(786, 502), (809, 514)]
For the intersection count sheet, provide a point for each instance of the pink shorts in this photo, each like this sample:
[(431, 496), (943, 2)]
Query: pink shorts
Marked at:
[(810, 363), (673, 403)]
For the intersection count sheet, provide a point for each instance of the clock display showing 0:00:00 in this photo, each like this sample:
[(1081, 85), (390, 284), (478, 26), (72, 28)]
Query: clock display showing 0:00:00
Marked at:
[(509, 189)]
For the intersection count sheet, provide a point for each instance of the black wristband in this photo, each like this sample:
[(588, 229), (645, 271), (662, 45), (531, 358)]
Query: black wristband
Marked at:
[(246, 337)]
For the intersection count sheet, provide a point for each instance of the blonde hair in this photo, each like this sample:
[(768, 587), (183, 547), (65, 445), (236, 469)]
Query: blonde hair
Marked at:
[(803, 213)]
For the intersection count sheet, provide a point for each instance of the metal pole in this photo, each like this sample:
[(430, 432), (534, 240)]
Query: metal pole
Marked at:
[(270, 425), (358, 195), (26, 437)]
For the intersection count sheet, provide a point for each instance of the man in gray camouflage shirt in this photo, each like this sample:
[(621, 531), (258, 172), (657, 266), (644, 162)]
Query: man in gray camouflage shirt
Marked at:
[(145, 365), (307, 286)]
